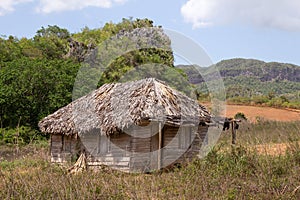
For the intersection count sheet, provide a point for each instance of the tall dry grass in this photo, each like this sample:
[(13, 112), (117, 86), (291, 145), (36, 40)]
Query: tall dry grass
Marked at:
[(238, 173)]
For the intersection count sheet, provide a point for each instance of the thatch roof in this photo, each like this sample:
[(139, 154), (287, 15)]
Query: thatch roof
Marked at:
[(117, 106)]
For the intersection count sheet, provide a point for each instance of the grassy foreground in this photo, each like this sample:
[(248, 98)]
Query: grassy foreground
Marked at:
[(225, 173)]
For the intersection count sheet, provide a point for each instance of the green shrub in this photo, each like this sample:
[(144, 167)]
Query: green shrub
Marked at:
[(20, 135), (240, 115)]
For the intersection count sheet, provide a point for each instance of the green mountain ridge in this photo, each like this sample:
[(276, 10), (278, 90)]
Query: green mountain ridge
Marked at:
[(249, 77)]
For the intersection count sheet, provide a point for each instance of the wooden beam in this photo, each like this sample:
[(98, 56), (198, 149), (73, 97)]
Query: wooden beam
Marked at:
[(233, 132), (159, 145)]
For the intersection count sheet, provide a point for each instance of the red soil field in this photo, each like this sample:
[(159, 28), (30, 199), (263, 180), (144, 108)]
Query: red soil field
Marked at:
[(267, 113), (252, 112)]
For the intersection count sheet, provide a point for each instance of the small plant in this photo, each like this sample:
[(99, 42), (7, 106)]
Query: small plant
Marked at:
[(240, 115)]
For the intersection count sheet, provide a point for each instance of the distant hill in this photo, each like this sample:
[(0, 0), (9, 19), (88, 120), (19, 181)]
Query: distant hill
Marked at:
[(249, 77)]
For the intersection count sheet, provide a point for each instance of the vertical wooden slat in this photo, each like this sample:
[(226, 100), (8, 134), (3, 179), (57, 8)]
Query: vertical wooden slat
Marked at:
[(51, 144), (189, 136), (159, 145)]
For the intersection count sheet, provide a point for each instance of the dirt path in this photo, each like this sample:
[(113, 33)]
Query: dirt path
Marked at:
[(252, 112)]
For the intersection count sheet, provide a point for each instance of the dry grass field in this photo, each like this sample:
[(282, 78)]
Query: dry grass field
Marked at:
[(252, 169)]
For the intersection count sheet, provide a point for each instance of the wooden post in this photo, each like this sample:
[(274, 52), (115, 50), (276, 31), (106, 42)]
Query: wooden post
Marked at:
[(159, 145), (233, 131)]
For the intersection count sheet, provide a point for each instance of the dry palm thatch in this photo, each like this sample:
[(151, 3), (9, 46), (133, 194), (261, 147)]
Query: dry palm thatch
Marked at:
[(79, 166), (116, 106)]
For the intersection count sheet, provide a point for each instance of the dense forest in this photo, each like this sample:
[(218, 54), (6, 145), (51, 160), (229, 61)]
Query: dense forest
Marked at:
[(37, 74), (249, 81)]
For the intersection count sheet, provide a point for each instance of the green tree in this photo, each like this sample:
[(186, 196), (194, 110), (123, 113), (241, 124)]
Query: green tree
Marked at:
[(37, 74), (29, 49), (9, 49), (32, 88), (52, 41)]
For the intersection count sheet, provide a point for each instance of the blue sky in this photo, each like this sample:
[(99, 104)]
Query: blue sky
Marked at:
[(268, 30)]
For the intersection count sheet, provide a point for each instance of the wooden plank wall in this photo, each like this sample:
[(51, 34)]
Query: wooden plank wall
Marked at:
[(194, 149), (56, 148), (141, 149), (63, 148), (175, 140), (127, 153), (114, 154), (117, 156), (183, 144), (90, 143)]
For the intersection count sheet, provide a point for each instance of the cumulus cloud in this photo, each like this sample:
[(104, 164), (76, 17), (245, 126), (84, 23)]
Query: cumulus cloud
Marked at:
[(7, 6), (49, 6), (278, 14)]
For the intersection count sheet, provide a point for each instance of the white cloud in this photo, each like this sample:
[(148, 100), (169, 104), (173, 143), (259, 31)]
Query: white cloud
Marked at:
[(278, 14), (7, 6), (49, 6)]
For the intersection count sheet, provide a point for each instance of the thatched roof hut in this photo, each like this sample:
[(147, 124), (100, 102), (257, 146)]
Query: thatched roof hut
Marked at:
[(116, 107)]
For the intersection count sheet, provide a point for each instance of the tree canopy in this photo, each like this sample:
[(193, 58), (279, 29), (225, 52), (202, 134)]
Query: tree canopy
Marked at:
[(37, 74)]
